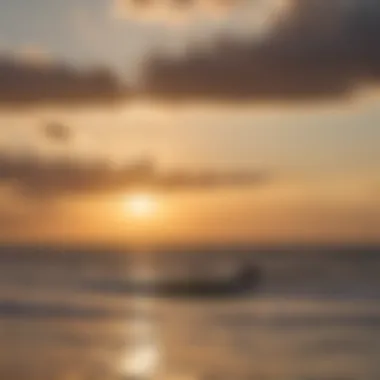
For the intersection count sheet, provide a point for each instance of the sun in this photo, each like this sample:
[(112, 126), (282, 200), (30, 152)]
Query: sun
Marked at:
[(141, 205), (143, 362)]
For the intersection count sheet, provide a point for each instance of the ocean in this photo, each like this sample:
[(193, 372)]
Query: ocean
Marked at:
[(315, 315)]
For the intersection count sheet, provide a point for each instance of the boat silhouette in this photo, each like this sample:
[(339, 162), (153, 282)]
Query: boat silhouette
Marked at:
[(243, 281)]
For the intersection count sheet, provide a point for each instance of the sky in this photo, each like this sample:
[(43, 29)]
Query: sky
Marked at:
[(100, 32), (283, 92)]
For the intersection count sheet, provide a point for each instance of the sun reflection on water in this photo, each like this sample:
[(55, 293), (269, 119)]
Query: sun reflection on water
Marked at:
[(144, 359)]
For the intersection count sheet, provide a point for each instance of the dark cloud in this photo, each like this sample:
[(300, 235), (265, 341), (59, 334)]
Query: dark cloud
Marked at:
[(41, 178), (14, 309), (26, 83), (57, 132), (321, 49)]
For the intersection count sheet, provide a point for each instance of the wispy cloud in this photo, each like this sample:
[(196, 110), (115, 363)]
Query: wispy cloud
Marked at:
[(37, 177), (170, 11)]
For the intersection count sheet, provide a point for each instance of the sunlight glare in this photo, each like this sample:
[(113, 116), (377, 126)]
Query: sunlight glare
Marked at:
[(141, 205), (143, 362)]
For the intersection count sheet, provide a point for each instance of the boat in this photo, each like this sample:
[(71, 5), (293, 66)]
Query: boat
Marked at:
[(243, 281)]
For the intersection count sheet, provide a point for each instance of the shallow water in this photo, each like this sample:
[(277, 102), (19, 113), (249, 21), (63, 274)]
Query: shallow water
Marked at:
[(316, 315)]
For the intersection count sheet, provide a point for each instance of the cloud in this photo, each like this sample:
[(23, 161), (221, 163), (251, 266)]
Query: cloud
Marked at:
[(15, 309), (200, 19), (24, 82), (322, 49), (167, 11), (32, 55), (57, 132), (315, 50), (37, 177)]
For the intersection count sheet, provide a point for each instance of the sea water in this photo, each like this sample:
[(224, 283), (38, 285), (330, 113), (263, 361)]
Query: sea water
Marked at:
[(315, 315)]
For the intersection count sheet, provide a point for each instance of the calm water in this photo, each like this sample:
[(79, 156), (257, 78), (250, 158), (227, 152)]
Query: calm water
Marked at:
[(316, 315)]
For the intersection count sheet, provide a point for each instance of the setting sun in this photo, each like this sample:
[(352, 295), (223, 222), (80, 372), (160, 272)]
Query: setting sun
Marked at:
[(141, 205)]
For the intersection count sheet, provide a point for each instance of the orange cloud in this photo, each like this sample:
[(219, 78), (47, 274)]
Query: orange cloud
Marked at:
[(167, 11), (36, 177)]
